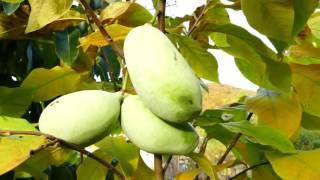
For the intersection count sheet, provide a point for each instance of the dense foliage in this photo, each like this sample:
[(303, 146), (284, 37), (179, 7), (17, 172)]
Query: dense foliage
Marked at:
[(50, 48)]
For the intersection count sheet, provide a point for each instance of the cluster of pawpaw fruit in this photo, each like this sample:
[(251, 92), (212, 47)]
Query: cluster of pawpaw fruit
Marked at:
[(156, 119)]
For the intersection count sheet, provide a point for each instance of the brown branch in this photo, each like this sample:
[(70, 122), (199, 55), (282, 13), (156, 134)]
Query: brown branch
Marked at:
[(161, 15), (104, 33), (110, 69), (66, 144), (167, 164), (232, 144), (158, 167), (249, 168)]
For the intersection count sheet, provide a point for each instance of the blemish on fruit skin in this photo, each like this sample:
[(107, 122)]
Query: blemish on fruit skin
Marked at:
[(53, 103), (175, 57)]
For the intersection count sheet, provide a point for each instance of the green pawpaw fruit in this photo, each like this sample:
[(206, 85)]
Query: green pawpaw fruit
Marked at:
[(152, 134), (161, 76), (81, 117)]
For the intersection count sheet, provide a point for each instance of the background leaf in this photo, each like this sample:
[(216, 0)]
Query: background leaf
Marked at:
[(16, 149), (276, 110), (201, 61), (50, 83), (45, 12), (304, 164), (262, 134)]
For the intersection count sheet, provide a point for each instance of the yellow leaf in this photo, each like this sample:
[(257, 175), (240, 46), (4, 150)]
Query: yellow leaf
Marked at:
[(303, 165), (45, 12), (306, 82), (116, 31), (204, 165), (50, 83), (277, 110), (16, 149), (115, 10), (12, 27), (188, 175)]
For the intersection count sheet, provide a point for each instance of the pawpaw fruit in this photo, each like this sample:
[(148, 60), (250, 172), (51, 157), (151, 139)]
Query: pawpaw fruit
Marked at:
[(82, 117), (161, 76), (152, 134)]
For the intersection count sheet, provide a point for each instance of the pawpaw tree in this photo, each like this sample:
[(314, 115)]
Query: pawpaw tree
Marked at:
[(85, 85)]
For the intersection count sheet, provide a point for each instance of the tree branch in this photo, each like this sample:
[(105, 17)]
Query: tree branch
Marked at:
[(104, 33), (232, 144), (167, 164), (249, 168), (158, 166), (161, 15), (66, 144)]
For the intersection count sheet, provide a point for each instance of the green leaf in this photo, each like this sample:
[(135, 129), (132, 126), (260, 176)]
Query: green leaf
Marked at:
[(16, 148), (262, 134), (67, 45), (304, 164), (45, 12), (204, 165), (50, 83), (254, 59), (201, 61), (90, 169), (13, 1), (10, 8), (143, 172), (116, 31), (39, 162), (304, 53), (14, 101), (309, 121), (302, 12), (314, 24), (126, 13), (191, 174), (306, 82), (276, 110), (126, 153)]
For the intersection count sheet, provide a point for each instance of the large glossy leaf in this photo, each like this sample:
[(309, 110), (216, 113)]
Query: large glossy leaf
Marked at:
[(303, 165), (14, 101), (67, 45), (276, 110), (16, 148), (126, 153), (262, 134), (49, 83), (302, 12), (45, 12), (306, 82), (201, 61), (126, 13), (254, 59), (116, 31), (90, 169)]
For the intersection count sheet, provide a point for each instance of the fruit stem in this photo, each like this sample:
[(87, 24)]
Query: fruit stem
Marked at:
[(161, 15), (158, 167)]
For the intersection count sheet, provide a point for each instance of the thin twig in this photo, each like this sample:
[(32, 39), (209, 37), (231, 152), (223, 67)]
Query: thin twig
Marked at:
[(203, 146), (110, 69), (104, 33), (249, 168), (161, 15), (158, 167), (232, 144), (167, 164), (66, 144)]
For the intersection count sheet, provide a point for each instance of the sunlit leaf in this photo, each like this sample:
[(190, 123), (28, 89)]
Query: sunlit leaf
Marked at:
[(191, 174), (314, 24), (262, 134), (201, 61), (306, 82), (305, 54), (303, 165), (67, 45), (143, 172), (14, 101), (126, 13), (204, 164), (90, 169), (254, 59), (126, 153), (276, 110), (16, 148), (116, 31), (45, 12), (49, 83)]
